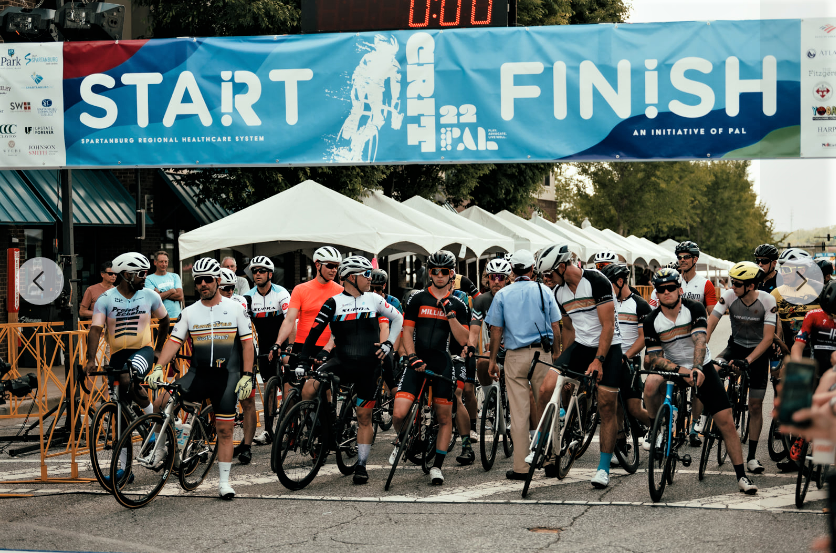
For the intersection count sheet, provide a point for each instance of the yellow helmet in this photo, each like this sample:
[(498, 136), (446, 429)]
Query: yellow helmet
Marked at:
[(747, 272)]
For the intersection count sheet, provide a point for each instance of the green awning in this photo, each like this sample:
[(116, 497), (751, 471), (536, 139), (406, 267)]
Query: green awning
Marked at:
[(205, 212), (98, 197), (18, 204)]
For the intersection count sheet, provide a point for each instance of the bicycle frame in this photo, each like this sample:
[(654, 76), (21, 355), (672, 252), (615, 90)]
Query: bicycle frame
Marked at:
[(168, 420), (557, 427)]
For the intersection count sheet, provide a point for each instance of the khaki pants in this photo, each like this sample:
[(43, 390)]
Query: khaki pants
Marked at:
[(517, 364)]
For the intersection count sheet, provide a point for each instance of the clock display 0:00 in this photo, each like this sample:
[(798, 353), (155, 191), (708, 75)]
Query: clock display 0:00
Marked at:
[(449, 14)]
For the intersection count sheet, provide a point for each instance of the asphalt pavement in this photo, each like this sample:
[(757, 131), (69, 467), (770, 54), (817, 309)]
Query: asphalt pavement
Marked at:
[(473, 510)]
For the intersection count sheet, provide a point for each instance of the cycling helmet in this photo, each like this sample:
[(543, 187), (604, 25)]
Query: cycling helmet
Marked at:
[(259, 261), (614, 271), (442, 259), (379, 277), (206, 266), (767, 251), (606, 256), (498, 266), (795, 254), (327, 254), (825, 266), (747, 272), (687, 247), (507, 257), (673, 265), (552, 257), (131, 262), (228, 277), (666, 276), (354, 264), (827, 300)]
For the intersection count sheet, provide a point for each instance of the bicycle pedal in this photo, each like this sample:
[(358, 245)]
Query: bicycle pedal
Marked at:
[(685, 460)]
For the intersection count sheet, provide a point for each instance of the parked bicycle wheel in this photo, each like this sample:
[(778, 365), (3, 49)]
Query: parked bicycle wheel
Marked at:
[(572, 438), (805, 474), (198, 453), (657, 463), (722, 451), (488, 438), (300, 446), (148, 461), (346, 440), (102, 441), (775, 443), (507, 442), (540, 452), (406, 437), (707, 444), (591, 419), (627, 442), (271, 405)]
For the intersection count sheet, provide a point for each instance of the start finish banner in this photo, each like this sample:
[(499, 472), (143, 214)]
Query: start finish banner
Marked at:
[(694, 90)]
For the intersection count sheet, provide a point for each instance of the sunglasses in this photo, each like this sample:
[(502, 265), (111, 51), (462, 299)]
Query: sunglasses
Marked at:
[(140, 274), (737, 284), (667, 288), (439, 272), (377, 288), (332, 266), (365, 274), (500, 278), (204, 279), (108, 273), (684, 257), (227, 288), (601, 265), (789, 269), (260, 271), (763, 261)]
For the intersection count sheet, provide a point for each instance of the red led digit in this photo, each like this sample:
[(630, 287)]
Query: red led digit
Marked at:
[(487, 20), (412, 22), (458, 14)]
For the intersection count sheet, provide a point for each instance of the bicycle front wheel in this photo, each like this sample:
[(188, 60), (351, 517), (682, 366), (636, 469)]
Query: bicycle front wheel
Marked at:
[(805, 474), (775, 443), (300, 447), (627, 446), (590, 419), (488, 437), (540, 452), (571, 437), (148, 461), (657, 463), (271, 405), (706, 446), (405, 439), (507, 441), (104, 433), (347, 451), (199, 453)]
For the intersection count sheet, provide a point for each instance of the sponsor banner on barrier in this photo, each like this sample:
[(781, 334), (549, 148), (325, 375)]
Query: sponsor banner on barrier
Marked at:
[(31, 105), (818, 87)]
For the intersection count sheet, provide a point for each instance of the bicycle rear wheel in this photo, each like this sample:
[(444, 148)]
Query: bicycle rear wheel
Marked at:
[(103, 437), (507, 441), (805, 474), (706, 446), (540, 448), (775, 443), (657, 462), (271, 405), (405, 439), (571, 438), (590, 419), (143, 478), (300, 447), (627, 447), (488, 437), (198, 454), (346, 441)]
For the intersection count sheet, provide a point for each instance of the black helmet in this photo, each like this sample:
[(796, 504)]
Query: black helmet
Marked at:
[(688, 247), (379, 277), (767, 251), (614, 271), (825, 265), (442, 259), (666, 276), (827, 300)]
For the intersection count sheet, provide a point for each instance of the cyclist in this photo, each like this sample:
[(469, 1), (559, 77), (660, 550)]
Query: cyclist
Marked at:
[(268, 304), (379, 280), (124, 313), (826, 269), (753, 320), (766, 257), (591, 342), (666, 333), (432, 317), (818, 331), (605, 258), (222, 350), (353, 317), (498, 271), (465, 378)]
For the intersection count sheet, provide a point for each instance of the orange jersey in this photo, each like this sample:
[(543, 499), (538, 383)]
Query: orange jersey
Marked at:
[(308, 299)]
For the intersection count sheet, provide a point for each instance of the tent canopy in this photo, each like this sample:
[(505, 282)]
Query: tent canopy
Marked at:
[(550, 234), (592, 243), (305, 217), (523, 238), (706, 261)]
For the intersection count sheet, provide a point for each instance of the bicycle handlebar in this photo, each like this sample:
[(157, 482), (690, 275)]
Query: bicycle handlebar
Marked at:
[(561, 370)]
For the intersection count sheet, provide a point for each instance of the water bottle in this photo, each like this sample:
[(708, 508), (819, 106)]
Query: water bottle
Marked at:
[(182, 431)]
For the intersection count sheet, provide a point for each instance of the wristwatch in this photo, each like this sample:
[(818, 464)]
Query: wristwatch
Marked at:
[(600, 358)]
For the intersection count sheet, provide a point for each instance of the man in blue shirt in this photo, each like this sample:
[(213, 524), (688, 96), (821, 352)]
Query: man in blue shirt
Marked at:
[(166, 284), (524, 315)]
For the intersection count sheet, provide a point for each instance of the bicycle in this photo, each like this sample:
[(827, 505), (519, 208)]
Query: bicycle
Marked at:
[(190, 449), (808, 471), (627, 441), (670, 432), (495, 421), (312, 428), (569, 428), (413, 437), (776, 442), (737, 389)]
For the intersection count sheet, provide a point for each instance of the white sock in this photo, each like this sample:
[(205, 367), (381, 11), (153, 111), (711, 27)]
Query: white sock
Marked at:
[(148, 409), (223, 471), (363, 451)]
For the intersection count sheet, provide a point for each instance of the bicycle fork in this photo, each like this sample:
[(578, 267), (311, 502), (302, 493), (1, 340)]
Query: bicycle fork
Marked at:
[(686, 458)]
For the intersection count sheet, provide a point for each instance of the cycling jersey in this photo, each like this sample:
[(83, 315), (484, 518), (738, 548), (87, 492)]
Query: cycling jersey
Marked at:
[(698, 289), (308, 299), (127, 322), (769, 284), (481, 305), (631, 314), (593, 290), (423, 316), (393, 301), (747, 321), (676, 338), (240, 299), (818, 330), (268, 312), (216, 331), (354, 323), (466, 285), (792, 314)]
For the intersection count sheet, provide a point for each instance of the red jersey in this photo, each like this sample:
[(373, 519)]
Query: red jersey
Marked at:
[(308, 298)]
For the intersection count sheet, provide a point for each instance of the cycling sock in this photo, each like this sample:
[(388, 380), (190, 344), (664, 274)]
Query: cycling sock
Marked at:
[(604, 462), (223, 471), (753, 448), (473, 425), (363, 451), (739, 471), (439, 458), (148, 409), (465, 442)]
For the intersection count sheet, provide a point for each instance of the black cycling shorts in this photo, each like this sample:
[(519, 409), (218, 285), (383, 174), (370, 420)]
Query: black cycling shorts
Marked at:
[(438, 362), (465, 371), (578, 357), (364, 374), (142, 359), (758, 371), (216, 385), (712, 393), (630, 388)]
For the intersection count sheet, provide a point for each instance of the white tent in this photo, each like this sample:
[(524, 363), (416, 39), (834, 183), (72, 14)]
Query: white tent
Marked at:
[(706, 261), (640, 251), (550, 234), (304, 217), (595, 243), (523, 238), (487, 240)]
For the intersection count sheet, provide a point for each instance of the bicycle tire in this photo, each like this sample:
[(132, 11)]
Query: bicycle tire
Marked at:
[(140, 484), (592, 419), (743, 429), (198, 456), (488, 437), (802, 482), (387, 406), (571, 432), (775, 443), (707, 444), (405, 438), (722, 451), (102, 439), (347, 453), (627, 451), (271, 404), (428, 451), (507, 440), (657, 461), (304, 435), (540, 447)]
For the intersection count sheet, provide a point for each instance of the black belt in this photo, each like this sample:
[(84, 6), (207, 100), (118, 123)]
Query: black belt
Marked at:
[(535, 345)]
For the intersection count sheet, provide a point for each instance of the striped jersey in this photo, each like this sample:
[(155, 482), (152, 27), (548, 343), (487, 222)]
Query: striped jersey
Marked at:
[(127, 322), (216, 332), (631, 314), (676, 338), (582, 307)]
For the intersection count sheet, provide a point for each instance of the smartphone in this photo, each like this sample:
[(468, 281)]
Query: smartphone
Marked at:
[(797, 392)]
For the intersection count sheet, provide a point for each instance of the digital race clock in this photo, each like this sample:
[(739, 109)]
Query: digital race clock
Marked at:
[(333, 16)]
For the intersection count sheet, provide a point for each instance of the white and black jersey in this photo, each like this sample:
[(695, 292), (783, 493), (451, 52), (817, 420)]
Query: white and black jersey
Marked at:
[(747, 321), (631, 314), (593, 290), (676, 338)]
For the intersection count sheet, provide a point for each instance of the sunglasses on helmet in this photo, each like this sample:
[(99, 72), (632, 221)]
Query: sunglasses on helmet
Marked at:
[(438, 271)]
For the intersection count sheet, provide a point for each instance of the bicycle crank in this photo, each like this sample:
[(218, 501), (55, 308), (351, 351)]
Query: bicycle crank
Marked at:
[(685, 460)]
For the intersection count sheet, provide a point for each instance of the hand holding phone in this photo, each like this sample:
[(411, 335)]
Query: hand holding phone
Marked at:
[(797, 391)]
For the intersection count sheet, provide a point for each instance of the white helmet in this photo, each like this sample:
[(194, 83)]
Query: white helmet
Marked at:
[(793, 254), (498, 266), (131, 262), (553, 256), (259, 261), (507, 257), (206, 266), (673, 265), (228, 278), (355, 264), (327, 254), (606, 256)]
